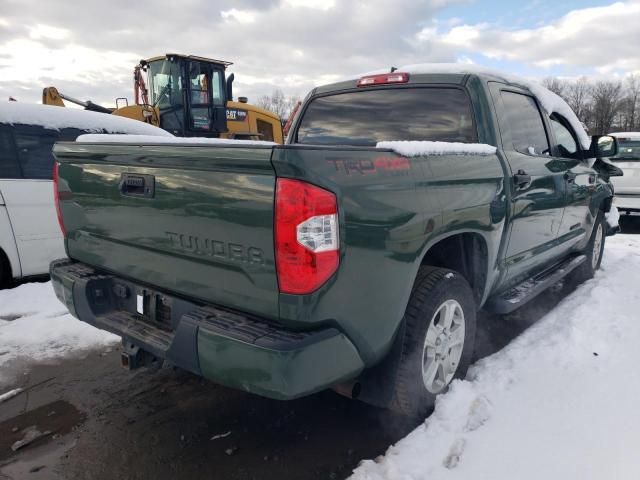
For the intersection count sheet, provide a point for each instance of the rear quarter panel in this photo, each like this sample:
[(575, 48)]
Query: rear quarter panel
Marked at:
[(391, 209)]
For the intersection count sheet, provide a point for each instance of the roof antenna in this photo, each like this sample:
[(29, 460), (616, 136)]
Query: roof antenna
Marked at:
[(393, 69)]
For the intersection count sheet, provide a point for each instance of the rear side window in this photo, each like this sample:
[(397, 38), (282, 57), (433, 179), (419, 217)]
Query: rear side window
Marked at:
[(9, 166), (34, 152), (366, 117), (523, 121)]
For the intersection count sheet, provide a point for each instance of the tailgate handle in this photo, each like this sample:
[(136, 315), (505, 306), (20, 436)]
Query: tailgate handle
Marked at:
[(137, 185)]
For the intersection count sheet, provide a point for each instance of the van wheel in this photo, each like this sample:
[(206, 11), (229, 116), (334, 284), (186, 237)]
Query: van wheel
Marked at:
[(5, 271), (440, 327), (593, 252)]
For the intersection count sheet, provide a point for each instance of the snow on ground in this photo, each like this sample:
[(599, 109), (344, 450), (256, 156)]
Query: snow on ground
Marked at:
[(35, 327), (562, 401)]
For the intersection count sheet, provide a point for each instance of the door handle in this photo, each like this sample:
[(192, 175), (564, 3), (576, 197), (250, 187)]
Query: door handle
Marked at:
[(570, 177), (521, 179), (137, 185)]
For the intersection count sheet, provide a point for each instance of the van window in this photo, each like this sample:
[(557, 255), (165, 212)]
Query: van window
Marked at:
[(34, 152), (9, 166), (366, 117)]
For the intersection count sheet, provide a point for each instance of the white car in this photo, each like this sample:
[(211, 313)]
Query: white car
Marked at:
[(30, 237), (627, 187)]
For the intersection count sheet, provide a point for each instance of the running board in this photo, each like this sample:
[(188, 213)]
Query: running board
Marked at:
[(522, 293)]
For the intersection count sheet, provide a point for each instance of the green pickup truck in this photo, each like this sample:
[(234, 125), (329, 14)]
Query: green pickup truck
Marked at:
[(354, 257)]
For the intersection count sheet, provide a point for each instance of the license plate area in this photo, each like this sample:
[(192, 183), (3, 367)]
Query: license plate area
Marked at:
[(155, 308)]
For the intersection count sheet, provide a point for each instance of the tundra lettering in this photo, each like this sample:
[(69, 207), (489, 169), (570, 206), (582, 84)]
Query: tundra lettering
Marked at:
[(215, 248)]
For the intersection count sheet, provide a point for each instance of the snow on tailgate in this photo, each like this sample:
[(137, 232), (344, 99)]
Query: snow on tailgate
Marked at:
[(559, 402)]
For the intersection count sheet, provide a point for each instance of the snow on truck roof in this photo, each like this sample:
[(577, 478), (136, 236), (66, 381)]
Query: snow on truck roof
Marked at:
[(549, 101), (55, 118)]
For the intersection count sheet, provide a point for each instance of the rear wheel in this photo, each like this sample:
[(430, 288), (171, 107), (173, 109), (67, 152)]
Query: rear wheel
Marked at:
[(440, 324), (593, 252)]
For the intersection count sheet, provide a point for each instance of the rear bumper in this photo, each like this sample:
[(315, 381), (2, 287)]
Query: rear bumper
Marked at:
[(230, 348), (627, 202)]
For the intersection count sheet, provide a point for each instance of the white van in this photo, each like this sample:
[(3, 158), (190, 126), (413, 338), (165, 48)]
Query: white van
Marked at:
[(30, 237), (627, 187)]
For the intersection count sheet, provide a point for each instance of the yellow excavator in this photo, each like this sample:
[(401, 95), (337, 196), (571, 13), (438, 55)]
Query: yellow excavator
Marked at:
[(189, 96)]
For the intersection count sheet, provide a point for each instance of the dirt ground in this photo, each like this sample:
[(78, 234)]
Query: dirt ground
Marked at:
[(99, 421)]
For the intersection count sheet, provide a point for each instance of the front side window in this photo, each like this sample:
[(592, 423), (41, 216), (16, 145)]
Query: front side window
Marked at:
[(566, 143), (523, 121), (165, 83), (366, 117)]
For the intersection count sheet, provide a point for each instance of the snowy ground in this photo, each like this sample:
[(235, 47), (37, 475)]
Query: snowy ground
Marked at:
[(562, 401), (559, 402), (36, 328)]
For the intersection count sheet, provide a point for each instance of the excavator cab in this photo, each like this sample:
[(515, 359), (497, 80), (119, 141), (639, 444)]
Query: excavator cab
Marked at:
[(190, 93)]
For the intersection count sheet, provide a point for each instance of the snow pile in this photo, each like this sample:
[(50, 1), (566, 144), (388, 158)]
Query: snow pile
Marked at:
[(416, 148), (549, 101), (55, 118), (559, 402), (36, 327), (613, 217), (149, 139)]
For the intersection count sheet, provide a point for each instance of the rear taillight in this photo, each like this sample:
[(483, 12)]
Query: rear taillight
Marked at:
[(56, 198), (306, 236), (383, 79)]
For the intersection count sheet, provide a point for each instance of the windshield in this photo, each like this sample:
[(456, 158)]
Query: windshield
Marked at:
[(165, 84), (628, 149), (437, 114)]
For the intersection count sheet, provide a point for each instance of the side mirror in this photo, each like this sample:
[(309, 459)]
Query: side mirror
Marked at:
[(603, 146)]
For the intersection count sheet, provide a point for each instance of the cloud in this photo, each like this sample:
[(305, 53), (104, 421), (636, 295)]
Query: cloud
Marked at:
[(288, 43), (605, 38)]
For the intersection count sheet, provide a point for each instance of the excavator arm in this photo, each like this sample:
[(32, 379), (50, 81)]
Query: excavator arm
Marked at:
[(144, 113)]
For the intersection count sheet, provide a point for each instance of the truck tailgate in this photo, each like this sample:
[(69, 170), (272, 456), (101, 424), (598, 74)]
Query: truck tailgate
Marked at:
[(195, 220)]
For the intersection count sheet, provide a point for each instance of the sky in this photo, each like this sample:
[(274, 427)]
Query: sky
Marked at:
[(88, 51)]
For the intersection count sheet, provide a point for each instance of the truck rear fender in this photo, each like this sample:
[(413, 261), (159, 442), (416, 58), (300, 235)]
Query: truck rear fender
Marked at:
[(465, 253)]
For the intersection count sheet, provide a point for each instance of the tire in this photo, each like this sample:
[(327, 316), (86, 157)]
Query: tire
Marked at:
[(5, 271), (593, 252), (421, 374)]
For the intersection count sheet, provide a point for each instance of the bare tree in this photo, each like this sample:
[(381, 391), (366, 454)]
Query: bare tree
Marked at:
[(278, 103), (556, 85), (630, 102), (578, 96), (607, 96)]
